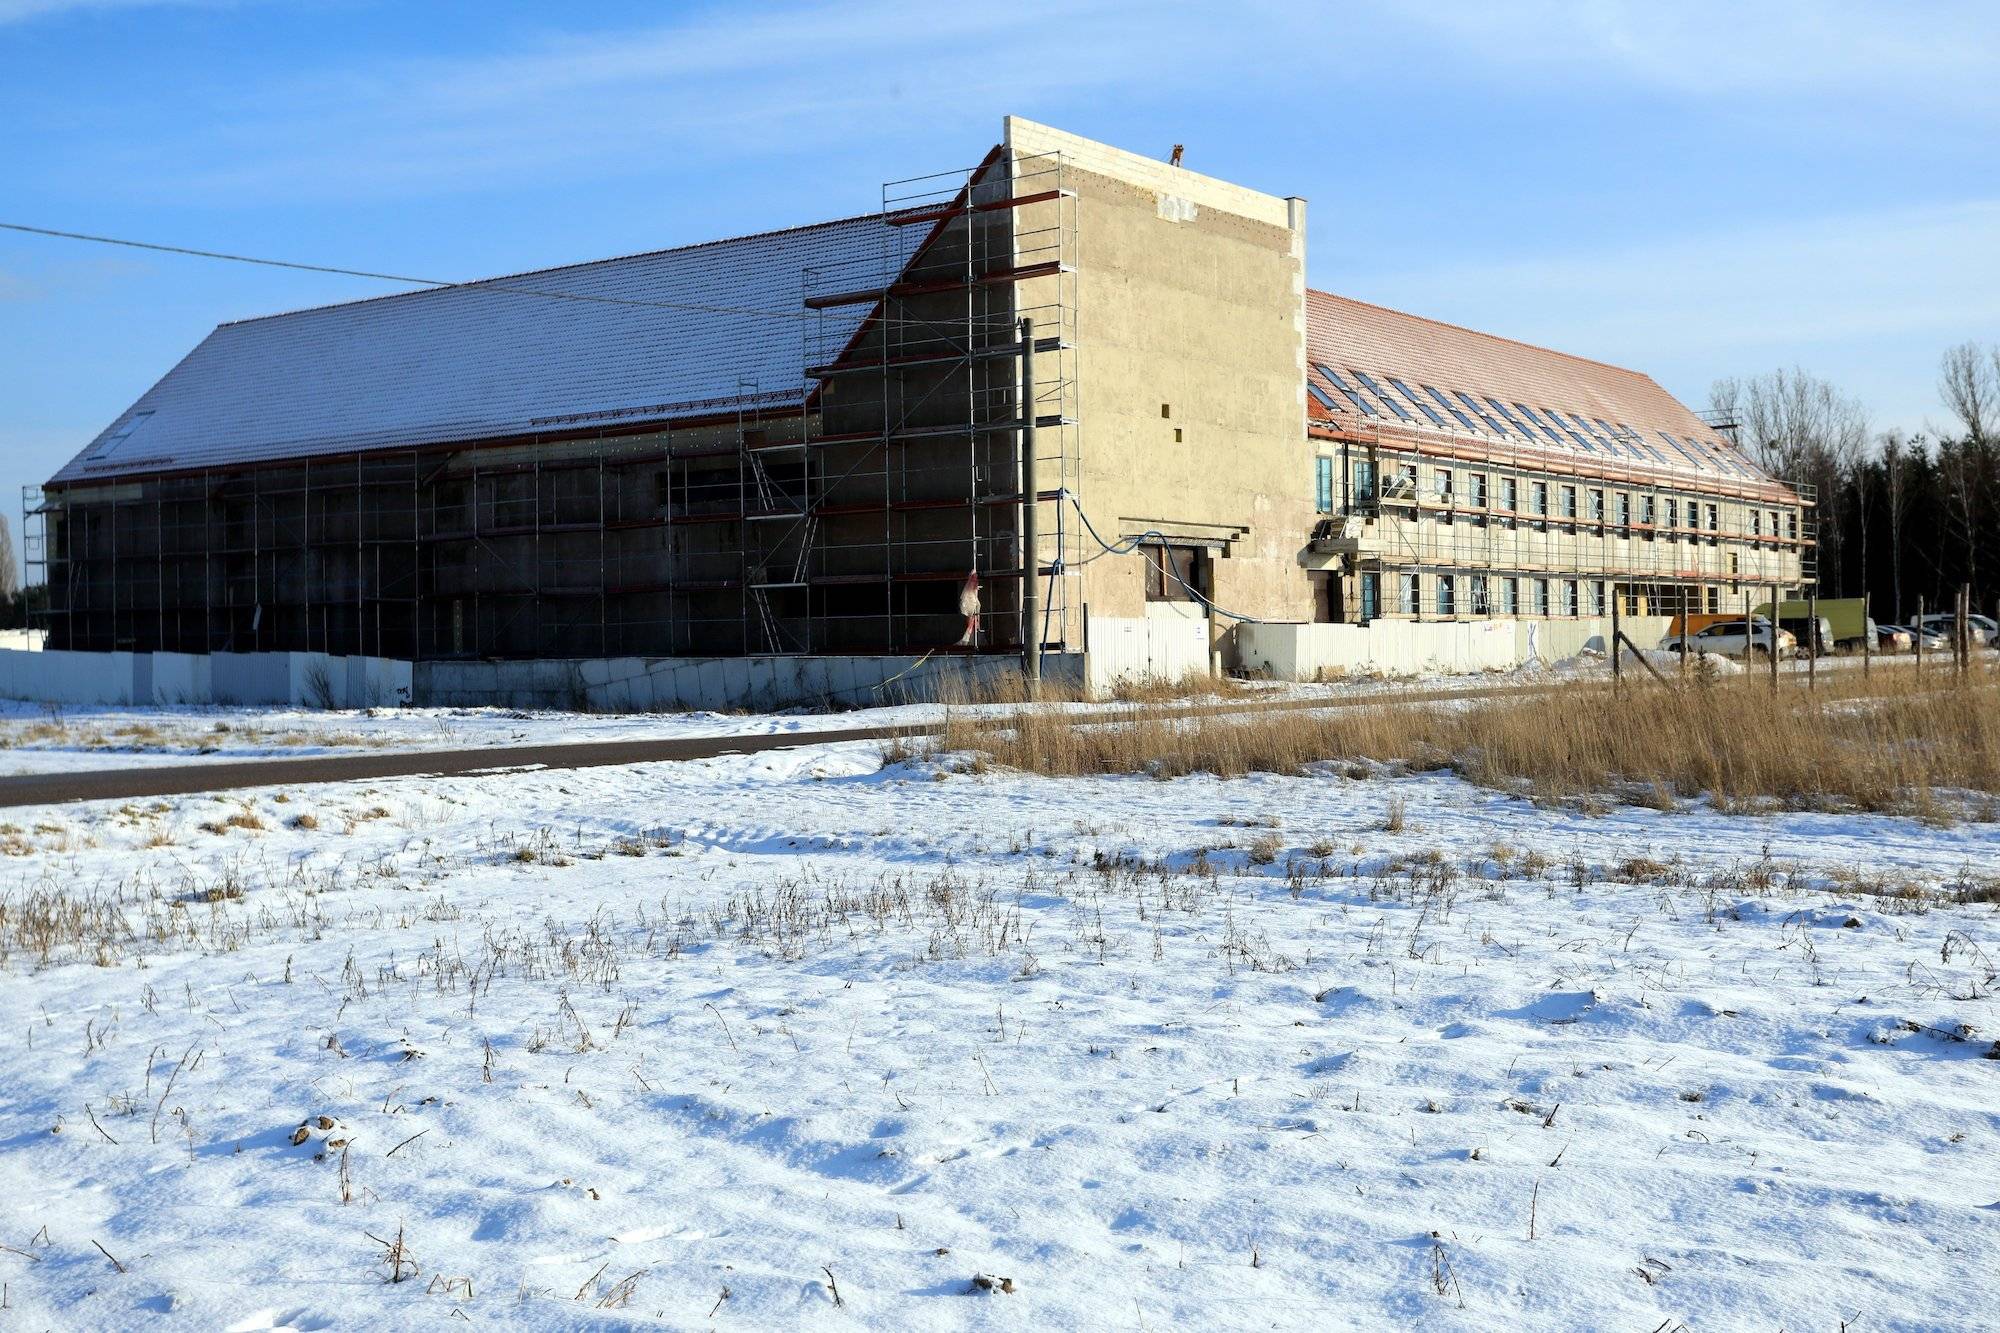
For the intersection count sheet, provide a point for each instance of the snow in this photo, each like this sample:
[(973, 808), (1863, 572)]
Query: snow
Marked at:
[(610, 1043)]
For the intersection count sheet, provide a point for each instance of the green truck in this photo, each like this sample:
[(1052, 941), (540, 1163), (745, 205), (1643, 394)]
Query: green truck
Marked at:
[(1843, 622)]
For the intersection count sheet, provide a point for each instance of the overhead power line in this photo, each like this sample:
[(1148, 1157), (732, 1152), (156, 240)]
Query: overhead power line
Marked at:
[(435, 284)]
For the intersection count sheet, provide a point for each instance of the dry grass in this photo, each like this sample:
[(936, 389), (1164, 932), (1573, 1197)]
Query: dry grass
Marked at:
[(1886, 744)]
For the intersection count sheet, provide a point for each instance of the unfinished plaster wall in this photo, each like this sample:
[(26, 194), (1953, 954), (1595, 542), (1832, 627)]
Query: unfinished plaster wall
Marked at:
[(1190, 326)]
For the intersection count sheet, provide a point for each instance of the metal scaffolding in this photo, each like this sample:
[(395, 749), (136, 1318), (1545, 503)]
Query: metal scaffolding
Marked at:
[(878, 514), (1502, 530)]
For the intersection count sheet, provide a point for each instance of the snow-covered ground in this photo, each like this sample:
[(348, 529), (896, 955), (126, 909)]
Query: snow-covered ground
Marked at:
[(35, 738), (691, 1044)]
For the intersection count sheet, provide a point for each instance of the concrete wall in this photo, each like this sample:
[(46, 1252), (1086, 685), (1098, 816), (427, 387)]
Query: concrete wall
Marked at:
[(308, 679), (664, 684), (1188, 295), (66, 677), (1405, 647)]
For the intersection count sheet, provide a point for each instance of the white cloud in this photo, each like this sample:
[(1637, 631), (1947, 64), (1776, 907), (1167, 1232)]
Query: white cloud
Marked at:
[(798, 79), (1937, 54), (19, 11)]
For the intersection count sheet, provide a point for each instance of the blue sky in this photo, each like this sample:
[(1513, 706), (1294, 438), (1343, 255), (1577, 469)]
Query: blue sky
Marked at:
[(1697, 189)]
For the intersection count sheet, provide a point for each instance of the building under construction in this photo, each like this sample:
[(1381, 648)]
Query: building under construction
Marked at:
[(1066, 396)]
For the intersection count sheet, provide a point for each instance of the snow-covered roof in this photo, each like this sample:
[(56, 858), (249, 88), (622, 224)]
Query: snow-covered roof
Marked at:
[(644, 337)]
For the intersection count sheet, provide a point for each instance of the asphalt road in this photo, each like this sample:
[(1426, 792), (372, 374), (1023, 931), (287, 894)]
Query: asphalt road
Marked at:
[(131, 784)]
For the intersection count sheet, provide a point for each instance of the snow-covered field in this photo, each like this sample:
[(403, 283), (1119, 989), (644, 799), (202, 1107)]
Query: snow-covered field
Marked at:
[(692, 1045)]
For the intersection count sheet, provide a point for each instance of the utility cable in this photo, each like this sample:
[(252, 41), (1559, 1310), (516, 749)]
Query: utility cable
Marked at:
[(436, 284)]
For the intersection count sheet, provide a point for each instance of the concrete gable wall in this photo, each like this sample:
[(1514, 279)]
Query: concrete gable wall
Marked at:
[(1189, 293)]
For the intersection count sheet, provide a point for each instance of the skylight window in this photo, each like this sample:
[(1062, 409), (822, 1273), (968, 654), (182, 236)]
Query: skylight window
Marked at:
[(1480, 412), (1379, 392), (1421, 405), (1361, 404), (1679, 453), (1546, 428), (118, 438), (1702, 458), (1582, 441), (1445, 403), (1321, 396), (1509, 417)]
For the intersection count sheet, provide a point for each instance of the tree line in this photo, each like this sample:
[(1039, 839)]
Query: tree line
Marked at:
[(1901, 517)]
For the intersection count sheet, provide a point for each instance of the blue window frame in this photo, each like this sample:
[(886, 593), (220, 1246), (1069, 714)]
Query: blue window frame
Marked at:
[(1323, 484), (1371, 596), (1364, 479)]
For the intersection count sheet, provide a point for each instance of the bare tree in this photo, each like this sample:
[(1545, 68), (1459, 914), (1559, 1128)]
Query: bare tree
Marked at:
[(1969, 384), (1897, 462), (1800, 429), (10, 574)]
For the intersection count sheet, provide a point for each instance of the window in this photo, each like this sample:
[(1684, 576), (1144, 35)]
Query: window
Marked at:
[(1475, 483), (1547, 429), (1411, 594), (1541, 597), (1694, 514), (117, 438), (1596, 505), (1715, 518), (1569, 596), (1176, 573), (1443, 483), (1445, 403), (1166, 410), (1420, 404), (1624, 509), (1482, 598), (1509, 418), (1377, 390), (1569, 502), (1447, 594), (1540, 498), (1595, 591), (1774, 524), (1646, 510), (1756, 523), (1510, 494), (1371, 597), (1322, 397), (1364, 480), (1481, 413), (1323, 485), (1346, 391), (1510, 596), (1406, 480), (1715, 601), (1792, 525)]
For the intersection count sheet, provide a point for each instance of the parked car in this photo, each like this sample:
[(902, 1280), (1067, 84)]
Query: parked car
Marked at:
[(1893, 638), (1733, 638), (1984, 631), (1933, 642)]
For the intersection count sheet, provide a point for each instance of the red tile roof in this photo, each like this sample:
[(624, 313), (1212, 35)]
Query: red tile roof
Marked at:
[(1353, 337)]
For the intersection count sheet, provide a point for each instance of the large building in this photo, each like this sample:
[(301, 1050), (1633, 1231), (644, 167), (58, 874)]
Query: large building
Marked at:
[(823, 441)]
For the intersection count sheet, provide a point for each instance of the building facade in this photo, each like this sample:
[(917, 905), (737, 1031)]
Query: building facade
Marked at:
[(829, 441)]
